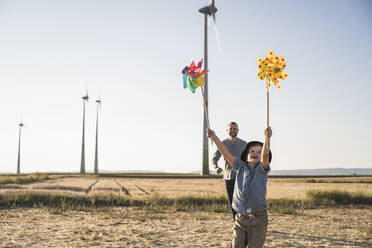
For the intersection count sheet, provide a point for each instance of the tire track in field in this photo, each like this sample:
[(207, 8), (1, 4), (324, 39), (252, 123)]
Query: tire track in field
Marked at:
[(123, 189), (91, 186), (144, 191), (60, 187)]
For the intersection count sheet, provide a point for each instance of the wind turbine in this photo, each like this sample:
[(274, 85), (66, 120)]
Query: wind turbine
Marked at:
[(82, 165), (99, 101), (209, 10), (20, 125)]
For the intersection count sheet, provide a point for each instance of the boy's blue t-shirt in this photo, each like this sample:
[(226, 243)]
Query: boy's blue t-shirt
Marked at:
[(250, 187)]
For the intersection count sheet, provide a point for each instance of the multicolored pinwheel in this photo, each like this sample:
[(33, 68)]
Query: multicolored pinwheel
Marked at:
[(193, 76), (271, 67)]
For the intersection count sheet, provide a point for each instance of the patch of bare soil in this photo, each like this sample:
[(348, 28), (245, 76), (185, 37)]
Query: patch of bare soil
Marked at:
[(130, 227)]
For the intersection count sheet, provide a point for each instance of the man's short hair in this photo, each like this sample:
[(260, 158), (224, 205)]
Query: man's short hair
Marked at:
[(233, 123)]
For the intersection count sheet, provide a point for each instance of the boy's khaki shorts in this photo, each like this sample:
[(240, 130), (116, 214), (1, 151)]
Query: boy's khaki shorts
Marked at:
[(249, 230)]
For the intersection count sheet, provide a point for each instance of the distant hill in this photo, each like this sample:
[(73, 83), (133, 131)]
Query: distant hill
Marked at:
[(309, 172), (130, 171), (316, 172), (324, 172)]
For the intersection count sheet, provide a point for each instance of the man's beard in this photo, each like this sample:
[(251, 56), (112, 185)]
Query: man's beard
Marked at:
[(233, 134)]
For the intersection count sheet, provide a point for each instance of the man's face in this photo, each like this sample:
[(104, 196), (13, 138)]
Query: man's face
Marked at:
[(232, 130)]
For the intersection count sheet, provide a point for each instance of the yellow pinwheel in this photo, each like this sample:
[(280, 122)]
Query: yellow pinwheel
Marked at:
[(271, 67)]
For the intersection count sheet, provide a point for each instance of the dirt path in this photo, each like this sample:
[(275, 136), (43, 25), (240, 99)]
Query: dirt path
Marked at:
[(129, 227)]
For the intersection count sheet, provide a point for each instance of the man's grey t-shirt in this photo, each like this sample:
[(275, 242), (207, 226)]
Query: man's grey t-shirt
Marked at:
[(236, 150), (250, 187)]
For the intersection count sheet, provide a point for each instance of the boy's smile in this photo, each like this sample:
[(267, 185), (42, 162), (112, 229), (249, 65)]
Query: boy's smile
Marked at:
[(254, 155)]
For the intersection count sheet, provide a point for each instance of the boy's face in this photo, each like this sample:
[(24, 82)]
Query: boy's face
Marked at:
[(254, 154)]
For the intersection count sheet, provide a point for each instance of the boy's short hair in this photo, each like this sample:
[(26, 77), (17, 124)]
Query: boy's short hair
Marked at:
[(250, 144)]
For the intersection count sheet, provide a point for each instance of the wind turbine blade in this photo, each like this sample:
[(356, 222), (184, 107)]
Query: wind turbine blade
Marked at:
[(217, 35), (209, 20), (86, 87), (86, 97)]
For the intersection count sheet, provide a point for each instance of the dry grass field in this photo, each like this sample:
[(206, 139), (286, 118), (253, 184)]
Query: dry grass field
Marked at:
[(130, 227), (161, 226), (293, 188)]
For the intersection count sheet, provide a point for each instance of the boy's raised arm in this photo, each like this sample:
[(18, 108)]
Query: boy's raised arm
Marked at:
[(266, 148), (221, 147)]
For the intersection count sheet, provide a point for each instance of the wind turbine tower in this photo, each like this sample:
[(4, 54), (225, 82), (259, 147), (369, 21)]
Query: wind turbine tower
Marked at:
[(96, 150), (209, 10), (82, 165), (20, 125)]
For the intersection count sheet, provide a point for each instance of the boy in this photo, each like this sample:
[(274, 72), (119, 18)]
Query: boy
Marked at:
[(249, 200)]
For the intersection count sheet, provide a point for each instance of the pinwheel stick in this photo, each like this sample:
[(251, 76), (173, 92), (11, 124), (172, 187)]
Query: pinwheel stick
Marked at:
[(267, 109), (206, 110), (205, 107)]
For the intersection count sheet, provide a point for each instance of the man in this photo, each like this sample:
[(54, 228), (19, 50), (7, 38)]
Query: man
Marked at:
[(235, 146)]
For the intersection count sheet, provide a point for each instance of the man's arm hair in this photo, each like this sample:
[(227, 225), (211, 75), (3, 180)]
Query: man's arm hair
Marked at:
[(221, 147), (216, 156)]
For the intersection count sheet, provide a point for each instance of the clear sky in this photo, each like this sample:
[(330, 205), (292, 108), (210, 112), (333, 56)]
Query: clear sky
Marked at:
[(133, 53)]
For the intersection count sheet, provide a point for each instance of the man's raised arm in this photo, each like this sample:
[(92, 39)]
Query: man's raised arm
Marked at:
[(221, 147)]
